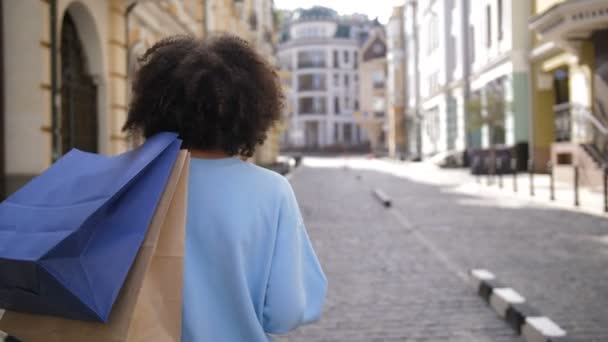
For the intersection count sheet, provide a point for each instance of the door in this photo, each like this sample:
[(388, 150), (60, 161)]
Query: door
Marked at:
[(79, 127)]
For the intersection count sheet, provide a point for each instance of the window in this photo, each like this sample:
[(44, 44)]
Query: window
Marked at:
[(356, 60), (336, 105), (346, 80), (472, 46), (433, 34), (356, 105), (311, 82), (312, 105), (311, 59), (488, 26), (378, 80), (285, 62), (347, 102), (378, 104), (346, 55), (499, 19), (348, 133), (336, 63), (336, 129), (336, 80)]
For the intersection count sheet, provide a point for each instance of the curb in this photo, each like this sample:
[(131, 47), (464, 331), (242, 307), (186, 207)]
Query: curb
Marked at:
[(513, 308)]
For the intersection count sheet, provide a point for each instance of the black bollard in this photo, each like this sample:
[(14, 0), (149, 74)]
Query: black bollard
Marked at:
[(551, 181), (531, 172), (514, 168), (489, 169), (576, 200), (606, 188)]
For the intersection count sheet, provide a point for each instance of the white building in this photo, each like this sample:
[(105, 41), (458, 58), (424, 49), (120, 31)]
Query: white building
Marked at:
[(440, 76), (500, 45), (320, 49)]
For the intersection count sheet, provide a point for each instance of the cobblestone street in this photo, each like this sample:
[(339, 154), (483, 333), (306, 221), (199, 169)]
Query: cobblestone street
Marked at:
[(400, 274)]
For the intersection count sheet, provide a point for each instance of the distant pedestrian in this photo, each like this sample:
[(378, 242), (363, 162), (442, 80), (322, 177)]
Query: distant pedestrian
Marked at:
[(250, 269)]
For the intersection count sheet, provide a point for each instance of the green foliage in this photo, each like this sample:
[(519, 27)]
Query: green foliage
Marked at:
[(489, 110)]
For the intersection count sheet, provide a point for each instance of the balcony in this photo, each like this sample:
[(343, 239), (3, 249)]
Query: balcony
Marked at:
[(570, 20)]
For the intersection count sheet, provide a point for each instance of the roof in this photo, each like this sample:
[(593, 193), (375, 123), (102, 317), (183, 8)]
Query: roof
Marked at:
[(315, 13)]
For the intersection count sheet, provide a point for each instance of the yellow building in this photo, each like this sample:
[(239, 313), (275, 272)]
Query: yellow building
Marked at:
[(395, 90), (570, 87), (78, 96), (372, 89)]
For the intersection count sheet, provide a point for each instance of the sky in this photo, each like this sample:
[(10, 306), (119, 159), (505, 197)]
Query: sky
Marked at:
[(373, 8)]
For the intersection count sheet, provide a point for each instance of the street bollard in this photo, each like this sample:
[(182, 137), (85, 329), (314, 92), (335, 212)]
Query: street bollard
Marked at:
[(576, 200), (488, 169), (499, 172), (382, 197), (606, 188), (531, 172), (514, 168), (551, 181), (477, 170)]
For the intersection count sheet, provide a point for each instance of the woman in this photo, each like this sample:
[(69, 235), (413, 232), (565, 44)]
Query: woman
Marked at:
[(250, 270)]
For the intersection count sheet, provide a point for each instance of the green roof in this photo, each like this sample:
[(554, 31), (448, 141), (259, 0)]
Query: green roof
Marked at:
[(315, 13)]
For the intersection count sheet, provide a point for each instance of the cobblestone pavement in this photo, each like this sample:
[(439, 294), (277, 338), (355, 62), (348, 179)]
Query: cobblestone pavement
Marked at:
[(387, 279)]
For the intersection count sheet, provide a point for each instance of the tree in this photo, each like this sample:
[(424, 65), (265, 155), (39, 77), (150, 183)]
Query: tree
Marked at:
[(489, 110)]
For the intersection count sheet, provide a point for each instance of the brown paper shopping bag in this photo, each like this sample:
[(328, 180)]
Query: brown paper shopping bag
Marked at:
[(149, 305)]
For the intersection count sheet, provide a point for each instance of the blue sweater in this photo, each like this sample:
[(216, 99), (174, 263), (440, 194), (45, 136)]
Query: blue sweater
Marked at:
[(250, 269)]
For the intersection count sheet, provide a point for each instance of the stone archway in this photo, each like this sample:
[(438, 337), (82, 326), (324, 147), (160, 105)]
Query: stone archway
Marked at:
[(79, 118)]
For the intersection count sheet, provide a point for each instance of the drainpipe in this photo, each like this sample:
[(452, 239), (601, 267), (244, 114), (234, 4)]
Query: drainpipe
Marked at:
[(128, 11), (466, 72), (56, 130), (417, 80)]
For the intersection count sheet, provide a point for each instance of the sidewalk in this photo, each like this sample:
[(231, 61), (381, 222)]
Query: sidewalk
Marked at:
[(591, 202)]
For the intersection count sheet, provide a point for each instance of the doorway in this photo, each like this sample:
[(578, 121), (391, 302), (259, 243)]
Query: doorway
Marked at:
[(79, 123)]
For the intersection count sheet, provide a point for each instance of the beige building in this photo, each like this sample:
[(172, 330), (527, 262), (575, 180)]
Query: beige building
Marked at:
[(96, 44), (372, 89), (395, 90)]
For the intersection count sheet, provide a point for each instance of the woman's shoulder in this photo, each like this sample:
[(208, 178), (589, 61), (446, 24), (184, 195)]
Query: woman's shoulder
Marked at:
[(270, 179)]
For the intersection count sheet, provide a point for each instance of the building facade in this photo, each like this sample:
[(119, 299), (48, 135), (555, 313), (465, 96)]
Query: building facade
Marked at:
[(395, 90), (438, 76), (569, 64), (320, 49), (464, 55), (413, 114), (67, 70), (500, 42), (372, 116)]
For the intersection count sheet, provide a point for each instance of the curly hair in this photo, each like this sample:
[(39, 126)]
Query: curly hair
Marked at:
[(217, 94)]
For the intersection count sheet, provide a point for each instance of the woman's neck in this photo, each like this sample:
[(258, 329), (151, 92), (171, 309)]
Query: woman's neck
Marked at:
[(208, 154)]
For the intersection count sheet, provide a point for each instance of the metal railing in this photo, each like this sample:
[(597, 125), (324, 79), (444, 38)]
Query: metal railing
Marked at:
[(577, 121)]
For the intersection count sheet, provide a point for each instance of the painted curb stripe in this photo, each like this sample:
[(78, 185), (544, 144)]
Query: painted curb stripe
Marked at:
[(512, 307), (517, 313)]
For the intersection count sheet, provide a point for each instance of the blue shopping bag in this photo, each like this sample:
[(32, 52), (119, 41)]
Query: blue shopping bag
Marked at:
[(69, 237)]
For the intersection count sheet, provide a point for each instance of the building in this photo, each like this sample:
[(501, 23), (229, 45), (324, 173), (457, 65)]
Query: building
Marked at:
[(500, 44), (320, 49), (396, 76), (413, 114), (570, 87), (372, 89), (67, 69)]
